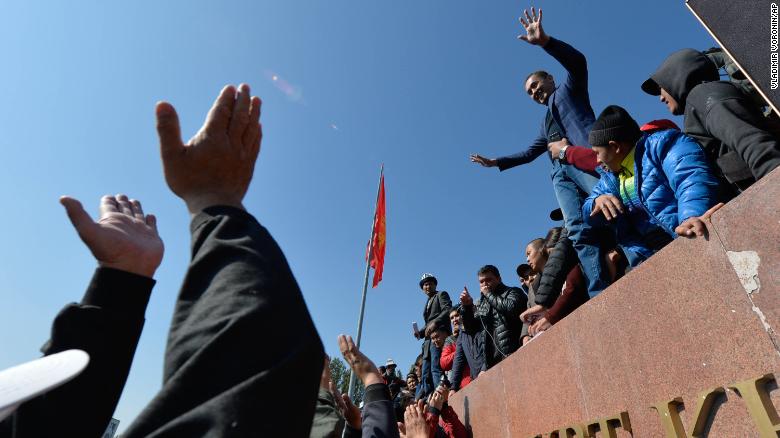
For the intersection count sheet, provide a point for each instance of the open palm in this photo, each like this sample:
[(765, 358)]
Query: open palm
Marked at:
[(122, 238), (533, 27)]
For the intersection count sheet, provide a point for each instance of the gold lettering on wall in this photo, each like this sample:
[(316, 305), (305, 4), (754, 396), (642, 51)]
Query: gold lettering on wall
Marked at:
[(573, 431), (608, 425), (756, 397), (670, 416)]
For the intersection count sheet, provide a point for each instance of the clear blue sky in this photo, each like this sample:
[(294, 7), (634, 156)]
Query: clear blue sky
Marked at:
[(416, 85)]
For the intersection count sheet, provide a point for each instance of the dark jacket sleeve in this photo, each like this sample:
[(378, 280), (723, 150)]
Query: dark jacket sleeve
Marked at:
[(735, 125), (240, 333), (458, 364), (538, 147), (443, 318), (572, 60), (582, 158), (562, 259), (378, 415), (107, 325)]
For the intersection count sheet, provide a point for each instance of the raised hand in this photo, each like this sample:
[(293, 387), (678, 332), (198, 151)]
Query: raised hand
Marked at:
[(439, 397), (696, 226), (486, 162), (215, 167), (348, 409), (609, 205), (533, 27), (414, 421), (465, 297), (365, 370), (123, 237)]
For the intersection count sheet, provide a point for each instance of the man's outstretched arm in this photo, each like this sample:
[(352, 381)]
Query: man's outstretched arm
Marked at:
[(242, 350), (537, 148), (107, 323)]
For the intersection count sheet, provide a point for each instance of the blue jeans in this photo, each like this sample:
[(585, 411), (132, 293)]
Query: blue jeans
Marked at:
[(431, 370), (572, 186), (436, 371)]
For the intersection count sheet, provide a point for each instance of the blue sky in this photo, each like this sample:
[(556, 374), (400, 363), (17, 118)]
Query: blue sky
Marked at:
[(416, 85)]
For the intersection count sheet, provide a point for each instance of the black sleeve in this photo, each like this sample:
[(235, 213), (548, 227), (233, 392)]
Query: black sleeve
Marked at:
[(443, 318), (106, 324), (378, 415), (732, 122), (562, 260), (243, 355)]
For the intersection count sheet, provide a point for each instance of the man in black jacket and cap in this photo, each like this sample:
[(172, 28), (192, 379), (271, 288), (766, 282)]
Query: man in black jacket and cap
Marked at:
[(497, 313), (437, 308), (718, 115)]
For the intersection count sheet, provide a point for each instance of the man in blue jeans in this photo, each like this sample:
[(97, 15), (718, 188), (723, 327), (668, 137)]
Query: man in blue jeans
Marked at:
[(569, 115)]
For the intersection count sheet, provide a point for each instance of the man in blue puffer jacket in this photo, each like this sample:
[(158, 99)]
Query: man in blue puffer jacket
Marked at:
[(658, 186)]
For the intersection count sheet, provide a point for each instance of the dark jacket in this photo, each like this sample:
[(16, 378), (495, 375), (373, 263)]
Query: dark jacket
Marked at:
[(106, 324), (569, 105), (498, 315), (469, 358), (673, 181), (378, 414), (562, 259), (719, 116), (438, 308), (243, 354)]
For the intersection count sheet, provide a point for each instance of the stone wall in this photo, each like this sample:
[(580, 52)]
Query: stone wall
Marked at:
[(699, 315)]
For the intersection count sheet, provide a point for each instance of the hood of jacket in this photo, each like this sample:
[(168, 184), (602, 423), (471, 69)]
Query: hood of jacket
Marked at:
[(679, 74)]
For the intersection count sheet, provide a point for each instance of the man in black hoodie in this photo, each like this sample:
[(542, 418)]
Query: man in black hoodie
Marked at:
[(725, 122)]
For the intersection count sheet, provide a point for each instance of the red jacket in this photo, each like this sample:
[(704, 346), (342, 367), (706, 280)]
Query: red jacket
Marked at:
[(448, 420), (448, 358)]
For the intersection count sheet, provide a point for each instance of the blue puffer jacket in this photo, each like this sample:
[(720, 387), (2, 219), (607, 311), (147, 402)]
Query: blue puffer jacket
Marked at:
[(674, 182)]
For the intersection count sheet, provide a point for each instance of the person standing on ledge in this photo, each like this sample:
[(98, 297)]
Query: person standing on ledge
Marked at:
[(437, 308), (569, 116)]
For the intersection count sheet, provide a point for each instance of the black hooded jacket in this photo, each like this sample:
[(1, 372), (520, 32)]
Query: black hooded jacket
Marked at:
[(725, 122)]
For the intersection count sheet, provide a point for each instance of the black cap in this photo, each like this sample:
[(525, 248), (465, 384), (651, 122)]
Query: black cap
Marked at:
[(556, 215), (613, 124), (523, 270)]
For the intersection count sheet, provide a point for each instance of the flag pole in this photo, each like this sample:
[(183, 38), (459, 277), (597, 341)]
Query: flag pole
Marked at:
[(351, 390)]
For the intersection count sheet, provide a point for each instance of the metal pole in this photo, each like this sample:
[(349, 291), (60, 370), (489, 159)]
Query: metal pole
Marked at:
[(351, 390)]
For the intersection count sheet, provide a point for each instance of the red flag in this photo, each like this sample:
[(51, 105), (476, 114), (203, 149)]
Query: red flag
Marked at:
[(377, 260)]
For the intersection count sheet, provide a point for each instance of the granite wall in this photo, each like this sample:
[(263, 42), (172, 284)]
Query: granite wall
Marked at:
[(697, 317)]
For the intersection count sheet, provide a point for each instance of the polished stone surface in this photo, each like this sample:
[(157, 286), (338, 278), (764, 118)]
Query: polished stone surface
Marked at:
[(699, 314)]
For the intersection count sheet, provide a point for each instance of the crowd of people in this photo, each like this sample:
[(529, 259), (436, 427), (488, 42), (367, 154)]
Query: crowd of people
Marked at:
[(624, 191)]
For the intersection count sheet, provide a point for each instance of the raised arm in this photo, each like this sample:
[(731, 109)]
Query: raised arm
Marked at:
[(570, 58), (107, 323), (238, 287)]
